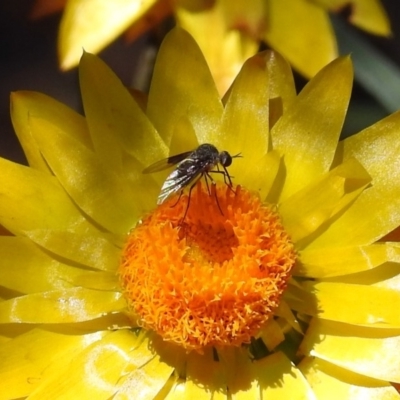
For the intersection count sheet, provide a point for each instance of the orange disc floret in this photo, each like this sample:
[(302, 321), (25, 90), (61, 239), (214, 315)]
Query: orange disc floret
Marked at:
[(212, 279)]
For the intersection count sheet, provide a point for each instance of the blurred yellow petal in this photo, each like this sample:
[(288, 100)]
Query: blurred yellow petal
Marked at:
[(366, 14), (327, 379), (367, 351), (224, 48), (153, 17), (197, 99), (312, 125), (92, 25), (370, 16), (64, 305), (244, 15), (377, 148), (301, 31)]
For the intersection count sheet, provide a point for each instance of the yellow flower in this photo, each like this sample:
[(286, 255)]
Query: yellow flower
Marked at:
[(292, 249), (228, 32)]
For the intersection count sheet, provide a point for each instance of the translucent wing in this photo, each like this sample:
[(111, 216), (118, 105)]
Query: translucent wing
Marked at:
[(178, 179), (166, 163)]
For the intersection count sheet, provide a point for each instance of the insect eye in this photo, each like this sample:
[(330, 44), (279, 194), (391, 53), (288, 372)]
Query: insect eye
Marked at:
[(225, 158)]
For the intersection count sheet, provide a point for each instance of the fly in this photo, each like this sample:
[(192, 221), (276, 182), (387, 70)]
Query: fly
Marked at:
[(191, 167)]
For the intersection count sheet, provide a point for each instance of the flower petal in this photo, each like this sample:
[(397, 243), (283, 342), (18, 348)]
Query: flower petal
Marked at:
[(94, 372), (367, 351), (365, 14), (224, 47), (278, 368), (371, 16), (25, 105), (307, 210), (302, 33), (312, 125), (326, 379), (97, 280), (25, 360), (89, 250), (377, 148), (20, 258), (30, 199), (184, 137), (116, 123), (197, 99), (92, 25), (147, 374), (104, 195), (263, 175), (240, 374), (203, 368), (356, 304), (272, 334), (282, 90), (244, 128), (328, 262), (60, 306)]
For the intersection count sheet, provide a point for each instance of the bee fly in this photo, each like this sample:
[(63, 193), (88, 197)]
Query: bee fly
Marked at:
[(191, 167)]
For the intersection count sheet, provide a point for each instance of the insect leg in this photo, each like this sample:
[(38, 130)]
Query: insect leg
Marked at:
[(206, 174), (190, 193), (227, 177), (180, 195)]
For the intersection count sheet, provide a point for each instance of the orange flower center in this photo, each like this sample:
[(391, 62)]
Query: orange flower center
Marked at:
[(213, 279)]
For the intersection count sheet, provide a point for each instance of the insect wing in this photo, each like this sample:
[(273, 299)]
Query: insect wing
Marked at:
[(166, 163), (187, 171)]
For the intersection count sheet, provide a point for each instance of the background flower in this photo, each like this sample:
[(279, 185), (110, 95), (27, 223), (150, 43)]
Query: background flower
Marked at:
[(227, 34)]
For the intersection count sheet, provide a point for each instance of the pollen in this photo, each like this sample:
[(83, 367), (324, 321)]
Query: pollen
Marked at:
[(212, 277)]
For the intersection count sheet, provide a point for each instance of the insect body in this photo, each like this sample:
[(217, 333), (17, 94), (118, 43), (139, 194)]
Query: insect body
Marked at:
[(191, 166)]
